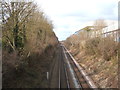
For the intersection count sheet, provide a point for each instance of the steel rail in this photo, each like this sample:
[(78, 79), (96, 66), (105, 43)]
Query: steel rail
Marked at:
[(85, 75), (66, 74), (75, 81)]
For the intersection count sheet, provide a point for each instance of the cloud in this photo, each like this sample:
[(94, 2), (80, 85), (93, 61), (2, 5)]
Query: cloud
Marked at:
[(69, 16)]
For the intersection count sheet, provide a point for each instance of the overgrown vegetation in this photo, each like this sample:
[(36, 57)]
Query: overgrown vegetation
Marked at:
[(97, 54), (28, 44), (106, 47)]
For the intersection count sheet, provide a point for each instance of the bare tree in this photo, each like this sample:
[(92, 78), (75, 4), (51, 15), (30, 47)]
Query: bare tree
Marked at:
[(15, 16), (99, 24)]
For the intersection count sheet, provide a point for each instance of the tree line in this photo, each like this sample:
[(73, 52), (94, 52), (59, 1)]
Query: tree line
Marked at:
[(28, 45), (24, 26)]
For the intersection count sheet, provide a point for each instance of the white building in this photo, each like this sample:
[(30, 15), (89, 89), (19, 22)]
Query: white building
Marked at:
[(112, 30)]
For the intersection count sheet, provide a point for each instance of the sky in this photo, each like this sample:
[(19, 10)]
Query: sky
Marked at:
[(69, 16)]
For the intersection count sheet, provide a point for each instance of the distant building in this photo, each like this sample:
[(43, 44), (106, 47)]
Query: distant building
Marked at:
[(112, 30), (94, 31)]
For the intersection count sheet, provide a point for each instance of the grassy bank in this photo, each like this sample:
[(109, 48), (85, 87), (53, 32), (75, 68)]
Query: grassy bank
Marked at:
[(99, 56)]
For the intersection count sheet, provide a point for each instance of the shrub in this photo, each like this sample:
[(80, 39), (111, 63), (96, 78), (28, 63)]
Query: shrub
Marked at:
[(91, 46), (105, 47), (108, 48)]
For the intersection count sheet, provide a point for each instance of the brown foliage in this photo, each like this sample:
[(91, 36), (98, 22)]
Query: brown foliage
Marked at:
[(27, 34), (105, 47)]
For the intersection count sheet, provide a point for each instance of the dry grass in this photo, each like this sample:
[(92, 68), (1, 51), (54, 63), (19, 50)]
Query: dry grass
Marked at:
[(99, 56)]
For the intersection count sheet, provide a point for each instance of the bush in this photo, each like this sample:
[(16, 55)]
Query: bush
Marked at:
[(91, 46), (105, 47), (108, 48)]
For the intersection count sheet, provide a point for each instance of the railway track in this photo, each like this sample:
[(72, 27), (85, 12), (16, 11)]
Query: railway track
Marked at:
[(69, 74)]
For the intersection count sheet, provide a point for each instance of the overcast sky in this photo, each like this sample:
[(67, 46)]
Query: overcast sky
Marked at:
[(69, 16)]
